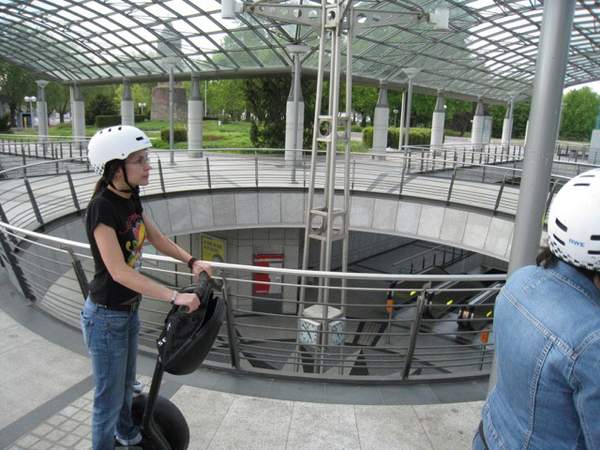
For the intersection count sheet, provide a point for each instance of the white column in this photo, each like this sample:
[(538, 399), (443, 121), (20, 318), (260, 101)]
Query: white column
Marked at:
[(127, 110), (411, 73), (478, 124), (42, 110), (402, 120), (77, 113), (437, 123), (294, 111), (507, 126), (594, 155), (291, 127), (380, 121), (487, 129), (195, 116)]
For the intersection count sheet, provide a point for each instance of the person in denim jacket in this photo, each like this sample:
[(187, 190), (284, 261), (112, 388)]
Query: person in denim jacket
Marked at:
[(547, 334)]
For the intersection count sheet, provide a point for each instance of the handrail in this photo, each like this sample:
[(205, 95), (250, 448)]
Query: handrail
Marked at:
[(270, 270), (53, 273)]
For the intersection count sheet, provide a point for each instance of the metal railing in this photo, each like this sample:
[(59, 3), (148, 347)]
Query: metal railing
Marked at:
[(36, 194), (366, 341)]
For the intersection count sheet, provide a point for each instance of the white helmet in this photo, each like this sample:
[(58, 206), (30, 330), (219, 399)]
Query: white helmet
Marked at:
[(116, 142), (574, 221)]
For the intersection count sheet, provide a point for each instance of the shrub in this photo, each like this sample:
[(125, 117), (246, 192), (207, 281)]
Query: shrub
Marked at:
[(100, 105), (356, 128), (107, 120), (5, 123), (417, 136), (179, 134), (140, 118)]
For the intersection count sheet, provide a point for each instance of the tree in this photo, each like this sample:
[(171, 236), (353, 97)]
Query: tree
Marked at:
[(140, 93), (58, 99), (497, 112), (364, 100), (459, 114), (579, 112), (15, 83), (226, 97), (266, 98), (520, 118), (100, 104)]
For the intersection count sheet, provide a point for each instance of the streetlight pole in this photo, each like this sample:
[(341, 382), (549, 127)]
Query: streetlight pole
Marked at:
[(30, 99)]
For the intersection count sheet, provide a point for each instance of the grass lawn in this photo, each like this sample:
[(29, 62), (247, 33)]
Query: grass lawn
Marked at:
[(231, 135)]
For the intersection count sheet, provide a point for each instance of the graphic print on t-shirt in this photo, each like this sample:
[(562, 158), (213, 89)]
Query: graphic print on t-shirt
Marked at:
[(137, 231)]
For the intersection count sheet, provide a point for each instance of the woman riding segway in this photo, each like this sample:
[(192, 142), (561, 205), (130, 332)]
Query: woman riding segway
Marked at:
[(117, 228)]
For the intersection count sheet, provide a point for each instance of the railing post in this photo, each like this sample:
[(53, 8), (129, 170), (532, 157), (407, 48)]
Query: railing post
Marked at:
[(234, 351), (24, 159), (34, 204), (422, 157), (499, 195), (353, 173), (208, 173), (79, 272), (445, 154), (414, 331), (73, 192), (12, 260), (162, 180), (451, 186), (402, 178), (256, 170)]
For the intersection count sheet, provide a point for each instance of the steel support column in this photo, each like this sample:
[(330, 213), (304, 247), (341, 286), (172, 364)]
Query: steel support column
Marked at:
[(195, 116), (544, 118), (127, 110), (42, 110)]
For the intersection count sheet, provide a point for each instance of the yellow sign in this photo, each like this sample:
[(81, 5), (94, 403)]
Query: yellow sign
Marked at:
[(212, 248)]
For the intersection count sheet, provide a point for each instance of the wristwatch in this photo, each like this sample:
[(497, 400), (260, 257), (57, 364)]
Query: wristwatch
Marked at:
[(173, 296)]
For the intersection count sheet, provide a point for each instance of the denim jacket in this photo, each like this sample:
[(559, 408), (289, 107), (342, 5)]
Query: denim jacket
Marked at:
[(547, 334)]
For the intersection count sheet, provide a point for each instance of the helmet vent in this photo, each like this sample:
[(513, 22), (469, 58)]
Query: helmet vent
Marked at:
[(595, 237), (561, 225), (581, 184), (587, 176), (119, 128), (593, 252), (139, 138), (558, 239)]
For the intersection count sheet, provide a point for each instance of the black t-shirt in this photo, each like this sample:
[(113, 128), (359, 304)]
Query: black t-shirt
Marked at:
[(125, 217)]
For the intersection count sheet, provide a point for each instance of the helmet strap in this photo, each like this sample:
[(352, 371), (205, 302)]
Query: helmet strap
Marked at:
[(130, 188)]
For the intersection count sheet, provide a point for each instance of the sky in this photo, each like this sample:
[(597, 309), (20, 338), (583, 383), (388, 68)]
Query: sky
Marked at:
[(595, 86)]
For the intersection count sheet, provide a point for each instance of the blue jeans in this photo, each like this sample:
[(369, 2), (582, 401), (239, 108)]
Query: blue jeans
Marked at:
[(111, 338)]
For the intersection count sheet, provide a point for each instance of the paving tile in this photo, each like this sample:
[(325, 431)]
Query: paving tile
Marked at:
[(56, 420), (27, 440), (450, 425), (42, 430), (254, 423), (55, 435), (204, 411), (320, 426), (390, 428)]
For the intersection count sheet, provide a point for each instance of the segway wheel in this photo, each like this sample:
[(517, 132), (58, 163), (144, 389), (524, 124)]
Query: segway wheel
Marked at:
[(168, 419)]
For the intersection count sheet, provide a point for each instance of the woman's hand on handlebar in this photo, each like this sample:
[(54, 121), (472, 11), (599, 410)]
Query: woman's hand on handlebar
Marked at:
[(198, 267), (190, 301)]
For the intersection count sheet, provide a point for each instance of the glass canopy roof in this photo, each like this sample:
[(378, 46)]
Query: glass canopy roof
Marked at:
[(488, 50)]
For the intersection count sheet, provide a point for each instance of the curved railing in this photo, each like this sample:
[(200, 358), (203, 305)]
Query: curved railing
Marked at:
[(35, 194), (391, 328)]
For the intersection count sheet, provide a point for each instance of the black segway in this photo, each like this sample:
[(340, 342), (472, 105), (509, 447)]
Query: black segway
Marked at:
[(182, 346)]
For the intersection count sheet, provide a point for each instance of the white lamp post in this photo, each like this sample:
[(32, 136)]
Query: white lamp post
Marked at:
[(141, 106), (30, 99)]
